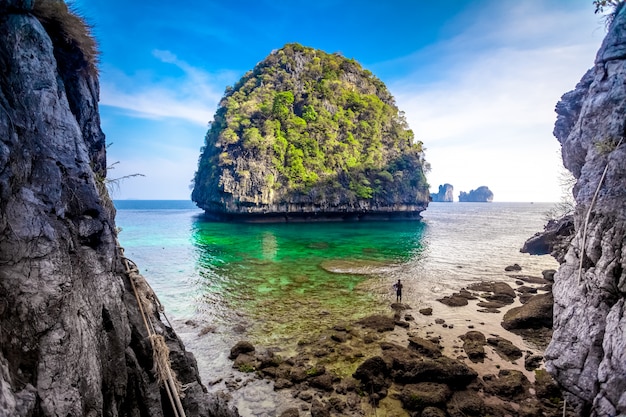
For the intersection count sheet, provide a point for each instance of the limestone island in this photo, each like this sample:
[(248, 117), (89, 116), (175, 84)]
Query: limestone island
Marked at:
[(305, 136), (445, 194), (480, 195)]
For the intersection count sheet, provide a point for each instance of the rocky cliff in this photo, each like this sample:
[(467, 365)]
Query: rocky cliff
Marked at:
[(72, 341), (310, 135), (587, 354), (445, 194), (480, 195)]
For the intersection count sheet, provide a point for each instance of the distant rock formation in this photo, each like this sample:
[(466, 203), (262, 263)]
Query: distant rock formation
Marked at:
[(480, 195), (308, 135), (445, 194), (587, 355), (72, 340)]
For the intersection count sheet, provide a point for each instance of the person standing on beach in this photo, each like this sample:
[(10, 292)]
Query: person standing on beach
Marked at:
[(398, 287)]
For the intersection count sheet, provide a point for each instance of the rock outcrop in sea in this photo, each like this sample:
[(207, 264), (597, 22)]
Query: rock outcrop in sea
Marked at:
[(445, 194), (480, 195), (587, 354), (72, 340), (308, 135)]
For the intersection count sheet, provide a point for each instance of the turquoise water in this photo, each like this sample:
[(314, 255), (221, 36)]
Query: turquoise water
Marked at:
[(283, 276), (273, 279), (276, 284)]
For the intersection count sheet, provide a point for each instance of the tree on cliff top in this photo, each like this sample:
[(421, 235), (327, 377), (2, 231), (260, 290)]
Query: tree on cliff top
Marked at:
[(312, 126), (613, 5)]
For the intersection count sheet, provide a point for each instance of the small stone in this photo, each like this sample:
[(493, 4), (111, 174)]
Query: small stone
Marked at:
[(426, 311), (514, 267)]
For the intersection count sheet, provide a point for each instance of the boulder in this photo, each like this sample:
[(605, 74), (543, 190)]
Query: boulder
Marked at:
[(526, 290), (323, 382), (548, 275), (466, 403), (374, 375), (514, 267), (495, 287), (425, 347), (239, 348), (319, 408), (509, 385), (453, 300), (424, 394), (505, 348), (545, 386), (532, 362), (378, 322), (537, 312), (473, 344), (554, 240), (411, 369), (491, 304), (426, 311)]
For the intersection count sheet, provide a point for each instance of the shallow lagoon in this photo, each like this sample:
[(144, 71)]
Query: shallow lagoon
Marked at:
[(277, 284)]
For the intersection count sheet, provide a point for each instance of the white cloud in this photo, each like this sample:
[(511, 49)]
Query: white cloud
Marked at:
[(192, 97), (488, 118)]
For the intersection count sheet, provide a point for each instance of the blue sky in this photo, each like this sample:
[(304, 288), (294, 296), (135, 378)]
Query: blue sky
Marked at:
[(478, 80)]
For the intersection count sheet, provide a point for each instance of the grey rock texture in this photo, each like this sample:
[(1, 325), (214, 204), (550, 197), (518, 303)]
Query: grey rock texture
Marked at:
[(587, 354), (480, 195), (445, 194), (72, 341)]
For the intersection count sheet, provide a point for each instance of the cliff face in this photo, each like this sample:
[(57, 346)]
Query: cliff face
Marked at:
[(72, 342), (480, 195), (309, 134), (445, 194), (587, 354)]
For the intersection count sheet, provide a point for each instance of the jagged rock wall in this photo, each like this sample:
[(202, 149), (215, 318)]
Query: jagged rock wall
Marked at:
[(72, 342), (587, 354)]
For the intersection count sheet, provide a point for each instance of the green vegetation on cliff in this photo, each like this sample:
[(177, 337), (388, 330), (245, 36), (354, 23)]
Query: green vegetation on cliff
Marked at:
[(307, 127)]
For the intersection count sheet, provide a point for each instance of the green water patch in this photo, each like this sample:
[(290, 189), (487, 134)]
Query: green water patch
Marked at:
[(283, 281)]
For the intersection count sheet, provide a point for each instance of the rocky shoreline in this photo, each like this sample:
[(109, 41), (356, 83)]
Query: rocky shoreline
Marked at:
[(410, 362)]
